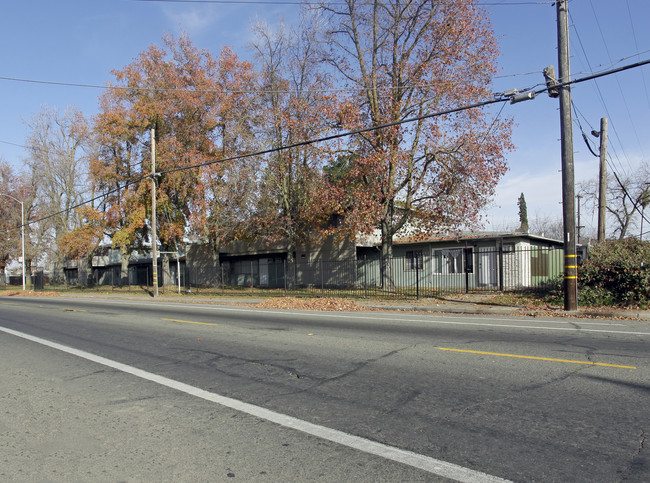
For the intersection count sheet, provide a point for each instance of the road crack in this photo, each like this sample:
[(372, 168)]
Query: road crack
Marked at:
[(532, 387), (220, 361), (638, 461), (361, 365)]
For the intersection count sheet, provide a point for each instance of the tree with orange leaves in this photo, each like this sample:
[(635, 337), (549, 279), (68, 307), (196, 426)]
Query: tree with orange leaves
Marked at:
[(83, 240), (199, 108), (406, 59)]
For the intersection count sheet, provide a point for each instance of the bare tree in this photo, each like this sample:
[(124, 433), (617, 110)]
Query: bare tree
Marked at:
[(16, 187), (296, 105), (59, 144), (541, 225), (625, 196), (548, 226)]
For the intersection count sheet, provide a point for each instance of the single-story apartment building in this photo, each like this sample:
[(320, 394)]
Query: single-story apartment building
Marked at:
[(458, 262), (470, 261)]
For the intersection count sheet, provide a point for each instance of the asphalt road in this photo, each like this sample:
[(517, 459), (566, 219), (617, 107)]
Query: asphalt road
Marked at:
[(143, 391)]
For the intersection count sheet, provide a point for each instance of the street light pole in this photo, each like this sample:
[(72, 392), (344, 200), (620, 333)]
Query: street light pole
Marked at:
[(22, 230)]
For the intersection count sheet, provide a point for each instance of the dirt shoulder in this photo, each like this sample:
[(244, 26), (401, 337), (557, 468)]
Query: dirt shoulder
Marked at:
[(27, 293)]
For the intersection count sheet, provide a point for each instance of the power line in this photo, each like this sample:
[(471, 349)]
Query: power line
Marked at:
[(602, 99), (299, 3), (342, 135), (218, 91), (279, 91), (210, 91), (14, 144), (635, 203), (636, 45), (618, 82), (278, 149)]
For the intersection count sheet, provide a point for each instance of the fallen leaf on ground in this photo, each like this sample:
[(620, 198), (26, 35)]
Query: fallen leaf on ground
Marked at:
[(28, 293), (321, 303)]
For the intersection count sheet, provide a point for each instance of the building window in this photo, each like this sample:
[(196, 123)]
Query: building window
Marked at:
[(539, 263), (414, 260), (448, 261)]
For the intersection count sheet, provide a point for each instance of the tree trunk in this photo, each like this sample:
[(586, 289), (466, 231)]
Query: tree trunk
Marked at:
[(291, 266), (166, 272), (387, 282), (124, 269)]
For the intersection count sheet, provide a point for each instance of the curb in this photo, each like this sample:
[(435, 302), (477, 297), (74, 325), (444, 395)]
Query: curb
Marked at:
[(448, 307)]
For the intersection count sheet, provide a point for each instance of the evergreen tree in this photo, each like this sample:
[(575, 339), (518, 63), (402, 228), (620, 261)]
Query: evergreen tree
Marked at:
[(523, 214)]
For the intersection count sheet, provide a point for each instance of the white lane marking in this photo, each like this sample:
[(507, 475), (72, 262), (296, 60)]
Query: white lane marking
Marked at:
[(431, 465), (378, 317)]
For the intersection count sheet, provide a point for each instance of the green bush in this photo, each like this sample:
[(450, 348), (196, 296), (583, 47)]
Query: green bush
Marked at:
[(616, 273)]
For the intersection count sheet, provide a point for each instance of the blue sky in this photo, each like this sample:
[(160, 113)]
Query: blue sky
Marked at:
[(81, 41)]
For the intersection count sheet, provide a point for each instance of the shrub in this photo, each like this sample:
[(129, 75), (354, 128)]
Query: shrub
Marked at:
[(616, 273)]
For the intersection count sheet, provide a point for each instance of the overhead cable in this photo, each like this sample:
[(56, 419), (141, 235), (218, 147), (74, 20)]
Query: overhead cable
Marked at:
[(345, 134)]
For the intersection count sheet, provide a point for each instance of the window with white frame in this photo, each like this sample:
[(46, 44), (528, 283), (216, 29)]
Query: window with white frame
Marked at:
[(448, 261)]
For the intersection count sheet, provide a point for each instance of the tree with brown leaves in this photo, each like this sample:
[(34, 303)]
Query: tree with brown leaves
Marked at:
[(199, 109), (404, 59)]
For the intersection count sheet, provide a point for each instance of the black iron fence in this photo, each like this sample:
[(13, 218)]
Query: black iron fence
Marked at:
[(416, 274)]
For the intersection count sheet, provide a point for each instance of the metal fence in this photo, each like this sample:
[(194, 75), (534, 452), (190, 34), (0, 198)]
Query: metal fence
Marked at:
[(416, 274)]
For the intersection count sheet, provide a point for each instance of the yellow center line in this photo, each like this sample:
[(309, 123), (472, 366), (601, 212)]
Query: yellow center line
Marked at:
[(9, 303), (188, 322), (74, 310), (537, 358)]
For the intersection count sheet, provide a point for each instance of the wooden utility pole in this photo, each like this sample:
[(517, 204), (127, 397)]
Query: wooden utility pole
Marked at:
[(602, 189), (154, 234), (568, 177)]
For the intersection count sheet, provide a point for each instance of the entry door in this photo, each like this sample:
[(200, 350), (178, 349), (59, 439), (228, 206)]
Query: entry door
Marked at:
[(487, 264)]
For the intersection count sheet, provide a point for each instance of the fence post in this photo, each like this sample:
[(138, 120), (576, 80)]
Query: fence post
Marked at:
[(284, 275), (162, 276), (417, 278), (365, 276), (501, 267), (322, 276)]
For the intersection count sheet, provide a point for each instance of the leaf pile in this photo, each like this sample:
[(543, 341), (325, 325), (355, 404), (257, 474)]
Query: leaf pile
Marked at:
[(320, 303), (28, 293)]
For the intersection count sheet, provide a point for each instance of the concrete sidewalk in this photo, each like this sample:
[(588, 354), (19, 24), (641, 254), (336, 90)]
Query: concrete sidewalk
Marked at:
[(474, 307)]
